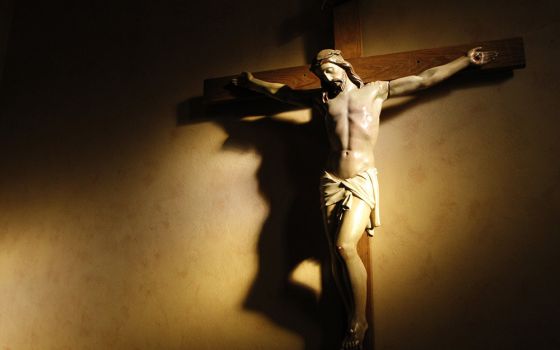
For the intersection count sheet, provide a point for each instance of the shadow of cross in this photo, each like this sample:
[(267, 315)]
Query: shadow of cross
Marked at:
[(220, 95)]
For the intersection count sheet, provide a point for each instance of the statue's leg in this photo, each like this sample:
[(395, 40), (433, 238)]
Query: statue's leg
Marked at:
[(352, 227), (331, 215)]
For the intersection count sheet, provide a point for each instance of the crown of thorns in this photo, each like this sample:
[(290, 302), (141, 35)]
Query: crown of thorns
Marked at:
[(325, 55)]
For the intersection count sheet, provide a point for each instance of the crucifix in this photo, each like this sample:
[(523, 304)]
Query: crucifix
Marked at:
[(351, 104)]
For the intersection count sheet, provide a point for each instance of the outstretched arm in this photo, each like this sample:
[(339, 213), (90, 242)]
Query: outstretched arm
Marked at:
[(278, 91), (432, 76)]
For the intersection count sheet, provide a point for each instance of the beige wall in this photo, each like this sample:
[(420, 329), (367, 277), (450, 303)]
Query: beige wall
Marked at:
[(121, 228)]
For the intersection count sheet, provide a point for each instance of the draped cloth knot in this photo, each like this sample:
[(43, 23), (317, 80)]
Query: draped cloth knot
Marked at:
[(364, 186)]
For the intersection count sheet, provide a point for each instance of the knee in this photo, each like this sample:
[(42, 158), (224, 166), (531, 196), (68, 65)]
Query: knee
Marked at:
[(346, 250)]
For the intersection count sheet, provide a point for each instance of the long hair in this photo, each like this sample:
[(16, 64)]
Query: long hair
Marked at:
[(334, 57)]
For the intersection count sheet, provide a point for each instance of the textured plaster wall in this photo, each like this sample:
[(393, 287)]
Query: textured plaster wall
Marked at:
[(124, 227)]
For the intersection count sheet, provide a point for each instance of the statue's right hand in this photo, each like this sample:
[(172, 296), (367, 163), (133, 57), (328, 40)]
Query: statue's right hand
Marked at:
[(243, 79)]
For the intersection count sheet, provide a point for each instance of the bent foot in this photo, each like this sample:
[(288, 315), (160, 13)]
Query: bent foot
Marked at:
[(354, 339)]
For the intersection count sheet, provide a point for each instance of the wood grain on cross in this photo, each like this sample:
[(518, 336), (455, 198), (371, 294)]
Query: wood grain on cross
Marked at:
[(348, 39)]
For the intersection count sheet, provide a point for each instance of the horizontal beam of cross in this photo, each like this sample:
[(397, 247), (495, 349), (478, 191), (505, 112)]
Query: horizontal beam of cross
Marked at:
[(383, 67)]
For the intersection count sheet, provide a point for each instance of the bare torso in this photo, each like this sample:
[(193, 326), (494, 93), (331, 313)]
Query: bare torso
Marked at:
[(352, 122)]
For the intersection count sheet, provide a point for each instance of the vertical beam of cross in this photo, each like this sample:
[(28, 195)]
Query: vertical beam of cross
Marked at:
[(347, 29)]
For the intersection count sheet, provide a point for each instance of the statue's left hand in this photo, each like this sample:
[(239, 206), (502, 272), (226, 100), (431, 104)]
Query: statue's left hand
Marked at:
[(479, 57), (243, 79)]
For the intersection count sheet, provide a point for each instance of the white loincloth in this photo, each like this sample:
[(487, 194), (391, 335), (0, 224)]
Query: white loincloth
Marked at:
[(363, 186)]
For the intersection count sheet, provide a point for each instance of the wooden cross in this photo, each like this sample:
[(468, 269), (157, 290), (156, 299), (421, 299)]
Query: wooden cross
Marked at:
[(383, 67), (348, 39)]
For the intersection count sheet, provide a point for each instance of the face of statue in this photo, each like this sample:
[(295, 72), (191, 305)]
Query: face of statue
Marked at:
[(334, 75)]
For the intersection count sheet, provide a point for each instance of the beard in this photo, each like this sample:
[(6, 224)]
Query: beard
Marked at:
[(335, 87)]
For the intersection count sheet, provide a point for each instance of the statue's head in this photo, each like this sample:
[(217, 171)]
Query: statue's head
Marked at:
[(334, 71)]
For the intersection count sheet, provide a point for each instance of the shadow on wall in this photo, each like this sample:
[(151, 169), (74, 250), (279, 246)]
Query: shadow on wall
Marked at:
[(292, 233), (288, 178), (292, 159)]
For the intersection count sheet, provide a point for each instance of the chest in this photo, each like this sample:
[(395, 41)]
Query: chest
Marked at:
[(357, 106)]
